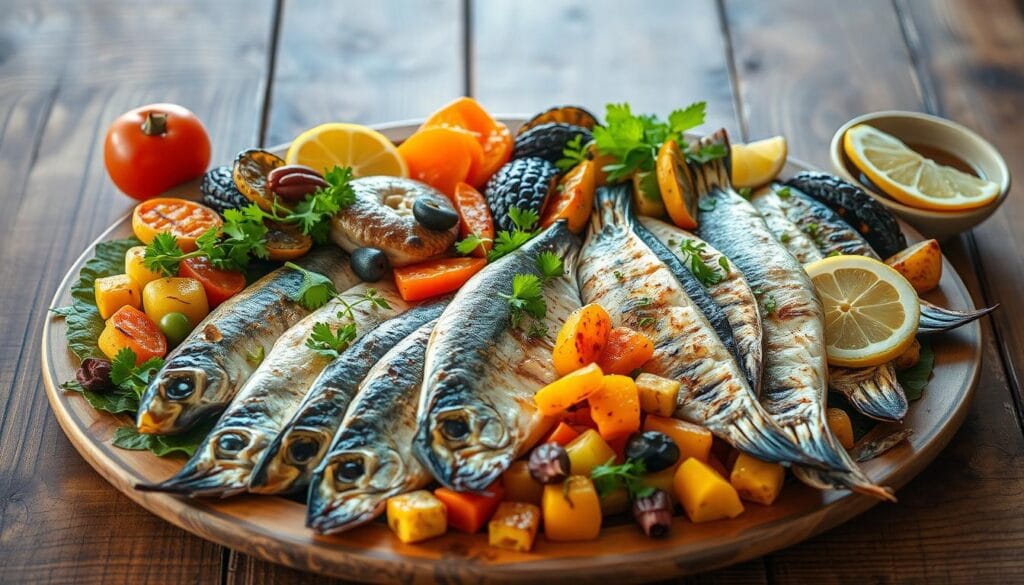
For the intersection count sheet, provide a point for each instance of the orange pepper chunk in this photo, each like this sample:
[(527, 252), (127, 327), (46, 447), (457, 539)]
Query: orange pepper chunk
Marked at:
[(441, 157), (474, 217), (468, 512), (559, 395), (625, 351), (574, 199), (581, 339), (435, 277), (616, 407)]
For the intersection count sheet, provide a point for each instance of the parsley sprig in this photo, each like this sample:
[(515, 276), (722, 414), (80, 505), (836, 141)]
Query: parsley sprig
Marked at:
[(574, 153), (608, 477), (706, 274), (127, 376), (527, 296), (524, 223)]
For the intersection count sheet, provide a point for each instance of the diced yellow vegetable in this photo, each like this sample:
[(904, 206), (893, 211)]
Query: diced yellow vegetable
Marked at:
[(114, 292), (657, 394), (615, 408), (664, 480), (693, 440), (519, 484), (756, 480), (704, 494), (136, 269), (841, 426), (175, 295), (572, 511), (417, 516), (587, 451), (615, 502), (559, 395), (514, 526), (581, 339)]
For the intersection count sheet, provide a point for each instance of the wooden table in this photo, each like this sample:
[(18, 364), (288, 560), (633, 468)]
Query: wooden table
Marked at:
[(258, 72)]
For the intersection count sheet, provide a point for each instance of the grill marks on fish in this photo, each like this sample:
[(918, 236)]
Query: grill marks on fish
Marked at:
[(371, 458), (203, 374), (300, 447), (476, 412), (714, 389), (223, 463)]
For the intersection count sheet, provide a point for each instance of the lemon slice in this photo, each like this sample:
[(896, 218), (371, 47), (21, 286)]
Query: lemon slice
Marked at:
[(364, 149), (910, 178), (871, 311), (756, 163)]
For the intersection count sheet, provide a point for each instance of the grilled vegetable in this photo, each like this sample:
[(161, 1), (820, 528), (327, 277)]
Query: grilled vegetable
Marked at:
[(136, 269), (615, 407), (625, 351), (114, 292), (185, 220), (581, 340), (573, 199), (921, 264), (514, 526), (435, 277), (219, 285), (587, 451), (571, 511), (251, 176), (523, 183), (574, 115), (130, 328), (568, 390), (175, 295), (657, 394), (547, 141), (469, 512), (756, 480), (563, 434), (417, 516), (704, 494), (219, 191), (474, 218)]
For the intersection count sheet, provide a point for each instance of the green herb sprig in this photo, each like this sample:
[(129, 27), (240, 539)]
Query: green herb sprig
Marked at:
[(608, 477), (527, 296), (524, 223), (706, 274), (574, 153)]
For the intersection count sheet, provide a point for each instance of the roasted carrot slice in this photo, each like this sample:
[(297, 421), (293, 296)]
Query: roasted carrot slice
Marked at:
[(563, 434), (469, 512), (435, 277), (574, 199), (474, 217)]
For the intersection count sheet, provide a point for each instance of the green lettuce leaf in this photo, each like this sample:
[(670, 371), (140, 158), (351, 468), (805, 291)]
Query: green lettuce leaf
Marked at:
[(915, 378), (127, 437), (115, 401)]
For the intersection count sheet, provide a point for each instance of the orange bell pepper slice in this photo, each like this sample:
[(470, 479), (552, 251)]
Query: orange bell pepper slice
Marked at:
[(494, 137), (435, 277), (474, 217), (468, 512), (625, 351), (574, 199)]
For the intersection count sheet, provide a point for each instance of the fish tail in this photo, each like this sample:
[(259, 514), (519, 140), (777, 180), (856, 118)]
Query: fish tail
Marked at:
[(877, 394), (936, 319), (756, 435), (818, 443), (613, 207), (714, 174), (855, 481)]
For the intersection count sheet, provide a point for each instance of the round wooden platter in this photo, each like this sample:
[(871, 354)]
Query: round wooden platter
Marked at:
[(273, 528)]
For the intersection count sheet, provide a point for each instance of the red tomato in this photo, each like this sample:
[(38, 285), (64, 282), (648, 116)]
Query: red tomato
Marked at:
[(150, 149), (220, 285)]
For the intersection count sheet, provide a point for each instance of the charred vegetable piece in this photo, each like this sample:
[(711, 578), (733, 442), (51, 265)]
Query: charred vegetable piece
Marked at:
[(657, 394), (219, 190), (547, 141), (285, 242), (615, 408), (625, 351), (514, 526), (251, 175), (131, 328), (559, 395), (468, 512), (582, 339), (417, 516), (523, 183), (756, 480), (574, 115)]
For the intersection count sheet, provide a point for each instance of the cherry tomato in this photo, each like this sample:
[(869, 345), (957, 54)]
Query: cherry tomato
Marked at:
[(150, 149)]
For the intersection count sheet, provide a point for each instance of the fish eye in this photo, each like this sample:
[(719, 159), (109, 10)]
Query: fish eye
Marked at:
[(179, 387), (303, 449), (351, 470), (455, 428), (231, 442)]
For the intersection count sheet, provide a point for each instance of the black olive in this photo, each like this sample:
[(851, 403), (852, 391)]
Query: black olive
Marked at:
[(350, 470), (370, 264), (656, 450), (179, 387), (432, 216)]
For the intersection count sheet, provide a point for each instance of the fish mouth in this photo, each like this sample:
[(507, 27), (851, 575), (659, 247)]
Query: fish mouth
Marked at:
[(352, 487), (174, 401), (289, 461), (465, 448), (221, 466)]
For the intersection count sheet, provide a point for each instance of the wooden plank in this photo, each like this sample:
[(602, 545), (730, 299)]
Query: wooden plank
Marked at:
[(69, 69), (803, 77)]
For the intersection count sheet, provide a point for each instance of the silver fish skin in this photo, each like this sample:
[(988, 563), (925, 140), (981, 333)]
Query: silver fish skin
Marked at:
[(732, 294), (223, 463), (476, 412), (371, 458), (796, 374), (202, 375), (620, 272), (299, 448)]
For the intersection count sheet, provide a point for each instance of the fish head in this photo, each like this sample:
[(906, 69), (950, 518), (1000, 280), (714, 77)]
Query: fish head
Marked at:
[(180, 394), (291, 459), (221, 466), (353, 485)]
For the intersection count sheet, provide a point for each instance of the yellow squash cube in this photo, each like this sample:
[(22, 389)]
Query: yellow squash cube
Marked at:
[(519, 484), (114, 292), (175, 295), (571, 511), (841, 426), (558, 396), (704, 494), (587, 451), (514, 526), (693, 440), (136, 269), (657, 394), (417, 516), (756, 480)]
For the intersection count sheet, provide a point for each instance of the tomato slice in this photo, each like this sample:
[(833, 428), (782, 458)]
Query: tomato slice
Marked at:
[(435, 277), (574, 200), (131, 328), (474, 217), (286, 243), (220, 285), (185, 220), (441, 157)]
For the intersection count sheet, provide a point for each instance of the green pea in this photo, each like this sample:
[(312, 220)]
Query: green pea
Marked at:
[(176, 327)]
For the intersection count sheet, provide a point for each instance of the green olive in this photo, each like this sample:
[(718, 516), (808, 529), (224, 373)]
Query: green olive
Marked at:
[(176, 327)]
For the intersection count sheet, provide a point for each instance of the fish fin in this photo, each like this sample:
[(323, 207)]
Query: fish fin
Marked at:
[(756, 434), (712, 175), (819, 444), (858, 482), (874, 392), (936, 319), (613, 206)]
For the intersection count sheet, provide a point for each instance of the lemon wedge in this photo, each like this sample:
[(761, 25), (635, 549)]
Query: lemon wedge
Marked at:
[(910, 178), (364, 149), (757, 163), (871, 311)]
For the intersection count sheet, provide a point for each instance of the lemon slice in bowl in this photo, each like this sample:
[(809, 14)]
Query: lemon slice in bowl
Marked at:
[(871, 311), (364, 149), (756, 163), (910, 178)]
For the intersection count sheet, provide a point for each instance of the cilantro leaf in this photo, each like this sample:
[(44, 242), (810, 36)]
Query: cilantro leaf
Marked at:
[(608, 477), (127, 376), (707, 153), (687, 118), (313, 213), (707, 275), (316, 289), (574, 153), (524, 219), (550, 266), (770, 304), (331, 343), (507, 242), (470, 243), (163, 254)]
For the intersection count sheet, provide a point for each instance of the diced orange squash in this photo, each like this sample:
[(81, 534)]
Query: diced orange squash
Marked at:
[(572, 511), (417, 516), (563, 434), (615, 408), (692, 440), (841, 426), (136, 269), (114, 292), (131, 328), (657, 395), (587, 451), (577, 386), (175, 295), (704, 494), (615, 502), (581, 339), (468, 512), (519, 485), (625, 351), (756, 480), (514, 526)]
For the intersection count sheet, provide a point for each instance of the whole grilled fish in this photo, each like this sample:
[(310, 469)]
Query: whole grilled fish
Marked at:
[(371, 457), (796, 373), (618, 271), (729, 291), (476, 412), (223, 463), (300, 447), (203, 374), (874, 391)]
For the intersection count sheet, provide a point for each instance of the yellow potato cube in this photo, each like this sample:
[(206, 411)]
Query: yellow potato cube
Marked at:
[(136, 269), (417, 516), (514, 526), (841, 426), (693, 440), (114, 292), (704, 494), (571, 511), (519, 484), (587, 451), (175, 295), (657, 394), (756, 480)]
